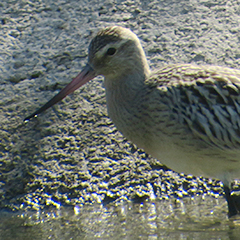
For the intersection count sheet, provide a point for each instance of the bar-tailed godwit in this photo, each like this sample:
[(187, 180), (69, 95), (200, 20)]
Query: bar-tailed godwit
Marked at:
[(186, 116)]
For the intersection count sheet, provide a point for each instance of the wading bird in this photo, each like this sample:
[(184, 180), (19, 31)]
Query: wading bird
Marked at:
[(186, 116)]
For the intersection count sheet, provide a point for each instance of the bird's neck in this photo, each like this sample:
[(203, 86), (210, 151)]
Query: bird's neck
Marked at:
[(128, 82), (124, 92), (125, 87), (123, 97)]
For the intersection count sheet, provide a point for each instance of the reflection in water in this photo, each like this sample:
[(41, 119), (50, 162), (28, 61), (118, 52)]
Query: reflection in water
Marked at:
[(195, 218)]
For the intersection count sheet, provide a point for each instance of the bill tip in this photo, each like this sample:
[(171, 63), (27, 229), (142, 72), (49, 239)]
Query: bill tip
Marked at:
[(27, 119)]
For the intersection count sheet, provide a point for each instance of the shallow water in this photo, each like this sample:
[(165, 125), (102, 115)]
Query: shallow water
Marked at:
[(169, 219)]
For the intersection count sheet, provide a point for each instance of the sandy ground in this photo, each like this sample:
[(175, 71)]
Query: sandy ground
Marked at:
[(72, 154)]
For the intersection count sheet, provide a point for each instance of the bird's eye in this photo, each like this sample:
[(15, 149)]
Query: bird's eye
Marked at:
[(111, 51)]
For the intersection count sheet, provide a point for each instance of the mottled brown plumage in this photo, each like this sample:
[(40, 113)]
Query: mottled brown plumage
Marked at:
[(205, 99)]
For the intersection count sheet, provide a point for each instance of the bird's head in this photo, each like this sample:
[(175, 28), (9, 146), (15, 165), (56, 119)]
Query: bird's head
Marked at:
[(114, 52)]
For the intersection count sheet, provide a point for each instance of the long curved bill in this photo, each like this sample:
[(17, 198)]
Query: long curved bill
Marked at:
[(83, 77)]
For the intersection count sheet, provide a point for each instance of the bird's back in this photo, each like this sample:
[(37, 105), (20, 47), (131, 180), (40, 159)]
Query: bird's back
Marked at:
[(205, 99)]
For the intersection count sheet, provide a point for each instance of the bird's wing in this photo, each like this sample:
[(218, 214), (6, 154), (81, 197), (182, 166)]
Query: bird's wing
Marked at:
[(204, 98)]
